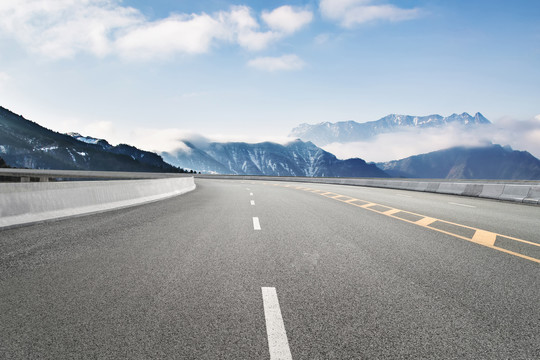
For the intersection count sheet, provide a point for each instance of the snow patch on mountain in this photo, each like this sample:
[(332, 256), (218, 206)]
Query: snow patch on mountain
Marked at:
[(350, 131), (296, 158)]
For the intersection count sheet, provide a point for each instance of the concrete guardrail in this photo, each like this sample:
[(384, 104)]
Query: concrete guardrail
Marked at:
[(518, 191), (28, 202)]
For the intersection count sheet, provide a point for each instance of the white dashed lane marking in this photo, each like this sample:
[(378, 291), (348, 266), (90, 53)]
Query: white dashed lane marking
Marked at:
[(275, 328), (465, 205), (256, 224), (252, 202)]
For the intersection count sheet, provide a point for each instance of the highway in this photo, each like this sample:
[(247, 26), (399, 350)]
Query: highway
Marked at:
[(274, 270)]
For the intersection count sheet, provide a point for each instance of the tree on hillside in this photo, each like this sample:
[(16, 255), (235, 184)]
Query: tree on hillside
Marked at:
[(3, 164)]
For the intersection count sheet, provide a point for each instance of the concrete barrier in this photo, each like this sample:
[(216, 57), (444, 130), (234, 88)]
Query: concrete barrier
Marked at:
[(515, 192), (22, 203), (491, 191), (533, 197), (432, 187), (472, 190)]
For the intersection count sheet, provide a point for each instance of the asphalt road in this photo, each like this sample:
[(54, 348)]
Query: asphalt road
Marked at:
[(192, 277)]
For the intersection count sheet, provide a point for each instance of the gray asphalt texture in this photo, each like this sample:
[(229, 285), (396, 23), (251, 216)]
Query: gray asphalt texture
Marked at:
[(181, 279)]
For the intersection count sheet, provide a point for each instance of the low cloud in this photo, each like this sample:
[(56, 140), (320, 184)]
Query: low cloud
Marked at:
[(520, 135), (65, 28), (163, 140), (285, 62), (172, 140), (349, 13)]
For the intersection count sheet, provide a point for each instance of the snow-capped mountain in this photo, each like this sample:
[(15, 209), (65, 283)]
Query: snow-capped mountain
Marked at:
[(296, 158), (349, 131), (486, 162), (90, 140), (24, 143)]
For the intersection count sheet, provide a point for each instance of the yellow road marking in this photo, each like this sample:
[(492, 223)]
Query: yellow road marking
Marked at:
[(365, 206), (483, 237), (425, 221), (391, 212), (480, 237)]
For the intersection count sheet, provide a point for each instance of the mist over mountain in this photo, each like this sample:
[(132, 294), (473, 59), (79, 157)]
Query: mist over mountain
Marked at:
[(296, 158), (26, 144), (487, 162), (351, 131)]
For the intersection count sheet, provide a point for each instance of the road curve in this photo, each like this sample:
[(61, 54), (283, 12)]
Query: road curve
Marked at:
[(253, 269)]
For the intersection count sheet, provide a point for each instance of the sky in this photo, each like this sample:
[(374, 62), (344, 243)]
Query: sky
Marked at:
[(151, 72)]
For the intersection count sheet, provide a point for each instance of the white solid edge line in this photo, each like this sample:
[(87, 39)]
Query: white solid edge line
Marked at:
[(252, 202), (256, 224), (470, 206), (275, 329)]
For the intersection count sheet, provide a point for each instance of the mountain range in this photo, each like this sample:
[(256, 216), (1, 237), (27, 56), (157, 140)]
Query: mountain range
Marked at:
[(296, 158), (24, 143), (350, 131), (487, 162)]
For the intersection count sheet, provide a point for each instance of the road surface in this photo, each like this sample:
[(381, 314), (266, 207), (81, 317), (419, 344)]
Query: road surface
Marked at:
[(260, 270)]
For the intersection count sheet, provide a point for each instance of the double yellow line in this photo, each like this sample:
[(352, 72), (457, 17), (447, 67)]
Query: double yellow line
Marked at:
[(482, 237)]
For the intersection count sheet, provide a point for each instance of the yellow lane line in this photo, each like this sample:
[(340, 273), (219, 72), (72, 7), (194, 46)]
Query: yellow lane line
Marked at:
[(480, 237), (426, 221), (340, 196), (365, 206), (391, 212)]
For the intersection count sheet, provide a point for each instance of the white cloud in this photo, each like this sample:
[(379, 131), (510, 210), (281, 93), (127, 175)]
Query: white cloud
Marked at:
[(176, 34), (353, 12), (287, 19), (100, 129), (4, 79), (520, 135), (167, 140), (322, 39), (65, 28), (285, 62), (62, 28)]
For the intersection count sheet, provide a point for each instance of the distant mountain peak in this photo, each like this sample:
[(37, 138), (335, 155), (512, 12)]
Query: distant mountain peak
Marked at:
[(349, 131)]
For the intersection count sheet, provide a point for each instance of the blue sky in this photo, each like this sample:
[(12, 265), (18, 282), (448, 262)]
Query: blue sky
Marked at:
[(147, 72)]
